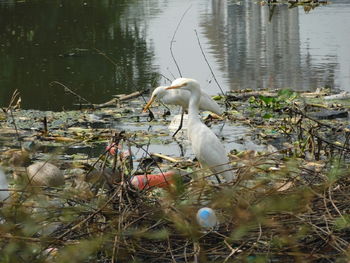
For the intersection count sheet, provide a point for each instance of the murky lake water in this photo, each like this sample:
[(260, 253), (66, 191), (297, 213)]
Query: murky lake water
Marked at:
[(98, 48)]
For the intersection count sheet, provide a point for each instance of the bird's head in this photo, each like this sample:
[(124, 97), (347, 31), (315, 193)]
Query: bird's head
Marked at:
[(158, 93), (185, 84)]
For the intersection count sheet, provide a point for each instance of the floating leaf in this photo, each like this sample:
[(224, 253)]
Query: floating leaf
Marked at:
[(267, 116)]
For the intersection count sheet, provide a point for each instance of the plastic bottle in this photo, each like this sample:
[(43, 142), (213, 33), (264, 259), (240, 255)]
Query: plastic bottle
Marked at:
[(206, 218), (161, 180)]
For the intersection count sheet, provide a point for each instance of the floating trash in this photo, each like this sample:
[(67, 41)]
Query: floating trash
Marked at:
[(341, 96), (45, 174), (161, 180), (206, 217)]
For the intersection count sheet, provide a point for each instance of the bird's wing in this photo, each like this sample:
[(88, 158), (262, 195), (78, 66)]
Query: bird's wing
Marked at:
[(177, 97), (207, 146), (207, 103), (210, 152)]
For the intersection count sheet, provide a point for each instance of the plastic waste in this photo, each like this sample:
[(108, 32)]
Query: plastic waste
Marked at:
[(341, 96), (162, 180), (206, 218), (45, 174), (114, 148)]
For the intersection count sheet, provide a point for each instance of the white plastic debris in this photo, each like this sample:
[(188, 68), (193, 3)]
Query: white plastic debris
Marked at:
[(45, 174), (206, 218), (341, 96)]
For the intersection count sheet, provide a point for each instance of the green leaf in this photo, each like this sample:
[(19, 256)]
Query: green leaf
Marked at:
[(217, 97), (252, 100), (267, 100), (267, 116), (286, 95), (342, 222)]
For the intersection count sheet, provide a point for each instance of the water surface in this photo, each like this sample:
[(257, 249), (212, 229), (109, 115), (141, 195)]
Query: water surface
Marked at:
[(98, 48)]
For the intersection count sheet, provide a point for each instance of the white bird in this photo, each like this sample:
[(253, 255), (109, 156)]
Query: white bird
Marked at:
[(205, 144), (181, 98), (4, 194)]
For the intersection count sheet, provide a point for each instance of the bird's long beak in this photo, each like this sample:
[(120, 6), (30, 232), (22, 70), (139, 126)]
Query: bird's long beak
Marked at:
[(149, 103), (176, 86)]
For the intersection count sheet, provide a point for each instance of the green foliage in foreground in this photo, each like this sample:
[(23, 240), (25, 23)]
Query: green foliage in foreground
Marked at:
[(272, 212)]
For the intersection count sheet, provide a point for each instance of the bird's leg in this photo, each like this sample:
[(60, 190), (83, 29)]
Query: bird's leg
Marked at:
[(217, 178), (181, 121), (150, 115), (181, 147)]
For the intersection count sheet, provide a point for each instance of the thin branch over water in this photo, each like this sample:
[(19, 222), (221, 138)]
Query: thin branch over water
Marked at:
[(172, 40)]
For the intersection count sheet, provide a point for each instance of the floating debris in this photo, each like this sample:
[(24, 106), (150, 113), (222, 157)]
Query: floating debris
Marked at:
[(341, 96), (206, 218), (146, 181), (329, 114), (45, 174)]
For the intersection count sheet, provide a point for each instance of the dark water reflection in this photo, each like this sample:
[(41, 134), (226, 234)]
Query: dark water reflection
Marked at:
[(51, 40), (44, 41)]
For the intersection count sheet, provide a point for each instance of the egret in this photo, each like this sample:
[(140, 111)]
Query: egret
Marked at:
[(181, 98), (205, 144)]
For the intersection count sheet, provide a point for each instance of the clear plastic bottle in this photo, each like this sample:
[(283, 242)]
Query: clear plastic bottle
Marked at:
[(206, 218)]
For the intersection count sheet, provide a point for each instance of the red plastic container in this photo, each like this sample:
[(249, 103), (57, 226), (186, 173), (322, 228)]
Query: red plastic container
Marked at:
[(162, 180)]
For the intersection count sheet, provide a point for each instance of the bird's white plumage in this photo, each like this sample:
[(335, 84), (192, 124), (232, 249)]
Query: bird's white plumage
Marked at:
[(182, 97), (4, 194), (205, 144)]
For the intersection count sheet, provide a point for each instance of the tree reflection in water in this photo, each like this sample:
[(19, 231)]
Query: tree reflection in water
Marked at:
[(45, 41)]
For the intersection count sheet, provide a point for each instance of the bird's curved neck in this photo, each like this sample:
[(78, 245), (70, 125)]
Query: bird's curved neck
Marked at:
[(193, 107)]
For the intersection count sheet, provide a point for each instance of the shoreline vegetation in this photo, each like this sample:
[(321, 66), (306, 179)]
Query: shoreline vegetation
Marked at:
[(290, 201)]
